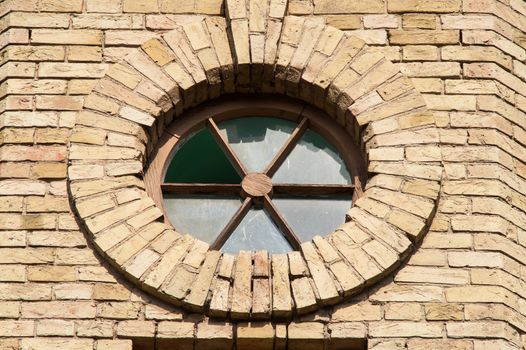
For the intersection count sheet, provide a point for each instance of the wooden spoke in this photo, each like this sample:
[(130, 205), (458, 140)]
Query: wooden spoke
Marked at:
[(223, 143), (232, 224), (200, 188), (287, 147), (282, 224), (312, 190)]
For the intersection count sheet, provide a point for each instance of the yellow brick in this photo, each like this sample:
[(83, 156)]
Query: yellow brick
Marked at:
[(64, 103), (11, 204), (442, 344), (428, 84), (114, 345), (209, 7), (68, 37), (81, 86), (30, 86), (13, 135), (405, 329), (441, 312), (403, 311), (35, 53), (420, 53), (9, 344), (51, 273), (297, 7), (61, 6), (423, 37), (100, 103), (140, 6), (84, 54), (47, 204), (49, 170), (442, 6), (477, 53), (344, 21), (39, 20), (419, 21), (158, 52), (355, 6), (125, 75), (170, 6), (14, 170), (108, 6), (110, 292)]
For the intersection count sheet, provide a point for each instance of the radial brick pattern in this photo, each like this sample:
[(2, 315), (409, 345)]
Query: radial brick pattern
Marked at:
[(302, 58), (434, 254)]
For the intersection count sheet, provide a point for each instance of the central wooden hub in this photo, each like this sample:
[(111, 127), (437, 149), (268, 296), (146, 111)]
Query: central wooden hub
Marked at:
[(256, 185)]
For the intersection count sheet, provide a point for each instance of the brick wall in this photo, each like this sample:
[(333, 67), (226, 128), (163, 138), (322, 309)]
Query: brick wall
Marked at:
[(463, 288)]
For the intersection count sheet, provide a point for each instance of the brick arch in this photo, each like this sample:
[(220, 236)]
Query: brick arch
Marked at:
[(269, 52)]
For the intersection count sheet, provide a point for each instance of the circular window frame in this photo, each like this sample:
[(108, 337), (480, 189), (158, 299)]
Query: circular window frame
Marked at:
[(239, 106), (379, 105)]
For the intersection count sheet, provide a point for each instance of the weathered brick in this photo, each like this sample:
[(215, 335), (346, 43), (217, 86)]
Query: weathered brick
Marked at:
[(118, 310), (360, 6), (255, 335), (403, 311), (210, 333), (134, 329), (55, 328), (405, 329), (491, 54), (439, 344), (344, 22), (141, 6), (58, 309), (493, 329), (444, 312), (358, 312), (56, 343), (72, 291), (114, 345), (64, 103), (12, 273), (433, 275), (42, 86), (49, 170), (66, 37), (420, 53), (442, 6), (39, 20), (51, 273), (61, 6), (111, 6), (307, 335), (55, 239), (84, 54), (419, 21), (423, 37), (98, 21), (126, 37)]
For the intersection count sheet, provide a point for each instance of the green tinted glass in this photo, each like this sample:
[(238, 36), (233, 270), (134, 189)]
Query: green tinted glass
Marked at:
[(200, 160)]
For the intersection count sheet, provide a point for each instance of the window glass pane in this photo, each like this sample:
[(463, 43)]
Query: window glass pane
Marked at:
[(200, 159), (257, 231), (313, 161), (310, 216), (204, 217), (256, 140)]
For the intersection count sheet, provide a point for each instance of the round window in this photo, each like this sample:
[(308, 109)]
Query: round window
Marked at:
[(258, 180)]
